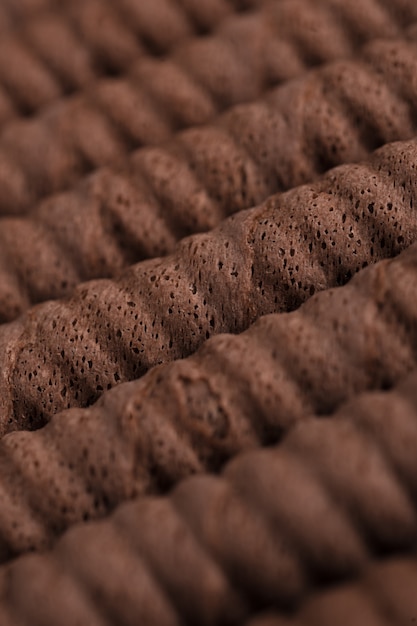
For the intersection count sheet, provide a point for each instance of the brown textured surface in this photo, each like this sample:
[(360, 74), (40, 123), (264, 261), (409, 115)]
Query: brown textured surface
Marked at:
[(114, 218), (59, 52), (335, 114), (56, 53), (67, 44), (268, 259), (235, 393), (384, 596), (222, 548), (83, 85)]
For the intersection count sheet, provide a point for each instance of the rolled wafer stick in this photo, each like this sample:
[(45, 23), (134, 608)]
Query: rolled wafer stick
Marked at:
[(56, 48), (115, 218), (250, 54), (269, 259), (234, 394), (385, 594), (316, 509)]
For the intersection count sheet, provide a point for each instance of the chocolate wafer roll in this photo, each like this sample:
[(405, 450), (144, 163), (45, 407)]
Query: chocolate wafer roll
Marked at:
[(67, 47), (385, 594), (235, 393), (335, 494), (361, 108), (14, 14), (114, 218), (264, 260)]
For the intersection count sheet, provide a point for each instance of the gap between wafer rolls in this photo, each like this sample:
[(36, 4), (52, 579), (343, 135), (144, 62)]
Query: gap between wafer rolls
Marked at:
[(318, 508), (113, 218), (269, 259), (385, 595), (235, 393), (333, 114)]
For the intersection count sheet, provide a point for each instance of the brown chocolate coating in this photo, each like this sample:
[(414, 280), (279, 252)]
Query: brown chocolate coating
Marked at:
[(235, 393), (56, 48), (278, 522), (209, 74), (384, 595), (264, 260), (118, 217)]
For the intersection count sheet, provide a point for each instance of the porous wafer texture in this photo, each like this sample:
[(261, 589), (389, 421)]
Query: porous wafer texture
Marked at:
[(118, 217), (63, 51), (65, 353), (317, 509), (384, 595), (235, 393), (334, 114)]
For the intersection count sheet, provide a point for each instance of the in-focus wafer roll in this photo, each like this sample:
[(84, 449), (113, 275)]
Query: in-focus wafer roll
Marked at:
[(268, 259), (113, 219), (235, 393), (62, 51), (51, 49), (335, 494)]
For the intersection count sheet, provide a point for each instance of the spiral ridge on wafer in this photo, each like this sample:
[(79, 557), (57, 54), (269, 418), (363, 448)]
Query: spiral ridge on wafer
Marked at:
[(234, 394), (220, 549), (65, 353), (60, 48), (56, 53), (119, 115), (118, 217), (385, 594)]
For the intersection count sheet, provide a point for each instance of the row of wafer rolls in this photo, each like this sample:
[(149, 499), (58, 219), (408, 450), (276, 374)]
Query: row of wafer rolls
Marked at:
[(60, 46), (203, 77), (118, 217), (335, 494), (62, 52), (56, 54), (236, 393), (65, 353), (384, 596)]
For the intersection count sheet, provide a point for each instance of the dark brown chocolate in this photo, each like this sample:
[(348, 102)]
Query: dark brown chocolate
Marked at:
[(235, 393), (264, 260), (384, 595), (116, 218), (56, 48), (277, 523), (209, 74)]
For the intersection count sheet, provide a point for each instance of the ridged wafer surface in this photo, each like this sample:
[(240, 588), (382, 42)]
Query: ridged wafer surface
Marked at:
[(334, 114), (385, 595), (333, 495), (83, 85), (268, 259), (64, 50), (118, 217), (271, 258), (235, 393)]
